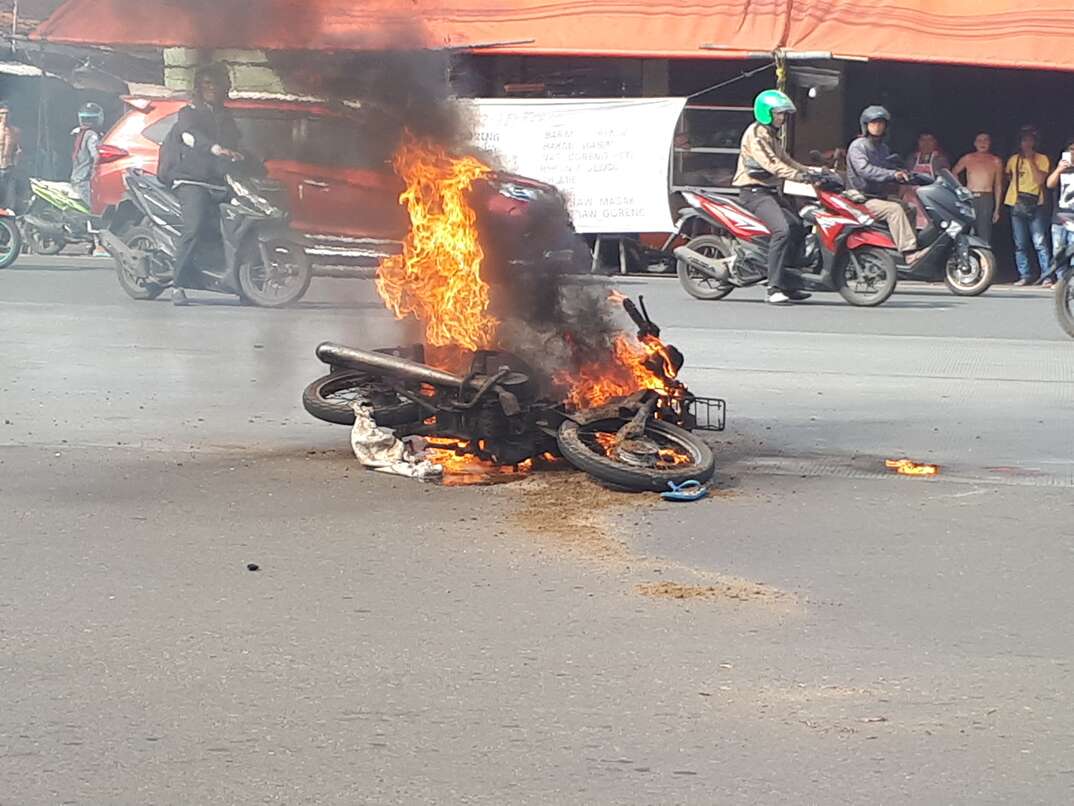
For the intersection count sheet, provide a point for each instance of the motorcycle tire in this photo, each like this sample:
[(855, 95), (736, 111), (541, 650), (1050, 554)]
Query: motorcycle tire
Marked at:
[(1064, 305), (578, 445), (330, 398), (138, 287), (257, 287), (10, 241), (42, 244), (694, 282), (884, 274), (984, 262)]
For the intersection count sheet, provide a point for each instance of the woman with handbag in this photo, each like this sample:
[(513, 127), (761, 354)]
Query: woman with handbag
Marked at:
[(1028, 172)]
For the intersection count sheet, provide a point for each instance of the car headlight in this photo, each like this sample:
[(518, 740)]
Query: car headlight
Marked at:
[(513, 190)]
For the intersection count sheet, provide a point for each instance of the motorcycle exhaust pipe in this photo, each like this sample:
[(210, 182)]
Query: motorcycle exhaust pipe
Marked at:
[(716, 269), (338, 355)]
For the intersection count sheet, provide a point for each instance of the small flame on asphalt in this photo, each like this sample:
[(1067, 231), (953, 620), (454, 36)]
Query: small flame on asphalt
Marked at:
[(908, 467)]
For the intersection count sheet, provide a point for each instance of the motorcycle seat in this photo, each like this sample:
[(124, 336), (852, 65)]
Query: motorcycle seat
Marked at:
[(65, 188)]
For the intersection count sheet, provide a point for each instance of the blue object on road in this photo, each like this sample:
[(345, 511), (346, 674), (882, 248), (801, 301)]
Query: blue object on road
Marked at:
[(687, 491)]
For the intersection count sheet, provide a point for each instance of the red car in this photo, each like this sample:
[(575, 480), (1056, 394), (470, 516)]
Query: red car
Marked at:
[(335, 167)]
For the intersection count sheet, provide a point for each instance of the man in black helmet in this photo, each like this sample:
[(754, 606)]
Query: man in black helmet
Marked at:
[(870, 171), (194, 160)]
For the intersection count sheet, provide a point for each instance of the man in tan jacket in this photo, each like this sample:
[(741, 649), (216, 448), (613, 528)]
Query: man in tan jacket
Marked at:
[(763, 164)]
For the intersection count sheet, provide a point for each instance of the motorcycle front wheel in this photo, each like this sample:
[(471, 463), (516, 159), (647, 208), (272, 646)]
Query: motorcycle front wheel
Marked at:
[(978, 276), (672, 454), (869, 283), (1064, 305), (282, 280), (10, 242)]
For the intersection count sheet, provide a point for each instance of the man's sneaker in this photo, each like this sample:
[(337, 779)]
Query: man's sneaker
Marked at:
[(797, 296), (777, 297), (179, 297)]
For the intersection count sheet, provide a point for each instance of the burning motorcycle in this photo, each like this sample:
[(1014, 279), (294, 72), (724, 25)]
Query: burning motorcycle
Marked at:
[(257, 256), (843, 250), (57, 217), (502, 412)]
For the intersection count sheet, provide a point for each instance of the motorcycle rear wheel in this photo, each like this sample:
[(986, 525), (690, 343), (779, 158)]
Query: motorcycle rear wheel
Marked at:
[(141, 238), (282, 283), (331, 398), (580, 446), (979, 280), (873, 284), (10, 241), (698, 284), (43, 244)]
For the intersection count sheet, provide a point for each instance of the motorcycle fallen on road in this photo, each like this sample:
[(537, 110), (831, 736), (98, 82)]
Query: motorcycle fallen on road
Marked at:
[(843, 251), (502, 413), (257, 255), (57, 217)]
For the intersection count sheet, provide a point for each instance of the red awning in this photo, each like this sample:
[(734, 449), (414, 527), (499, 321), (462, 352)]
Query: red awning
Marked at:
[(998, 33), (635, 28), (986, 32)]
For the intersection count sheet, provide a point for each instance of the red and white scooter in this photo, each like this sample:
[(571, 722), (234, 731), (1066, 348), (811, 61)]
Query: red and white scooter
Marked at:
[(845, 250)]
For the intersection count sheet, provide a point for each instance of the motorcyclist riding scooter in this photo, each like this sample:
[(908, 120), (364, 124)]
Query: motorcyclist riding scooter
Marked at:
[(763, 164), (870, 171), (945, 249), (194, 161)]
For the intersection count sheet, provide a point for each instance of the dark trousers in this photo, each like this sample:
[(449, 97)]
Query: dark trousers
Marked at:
[(985, 206), (200, 215), (787, 232), (9, 189)]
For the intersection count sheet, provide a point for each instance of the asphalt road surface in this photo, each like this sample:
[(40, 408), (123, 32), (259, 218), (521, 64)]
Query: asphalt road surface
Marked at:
[(818, 631)]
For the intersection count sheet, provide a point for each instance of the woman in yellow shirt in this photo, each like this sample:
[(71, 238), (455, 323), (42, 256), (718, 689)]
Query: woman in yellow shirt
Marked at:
[(1028, 172)]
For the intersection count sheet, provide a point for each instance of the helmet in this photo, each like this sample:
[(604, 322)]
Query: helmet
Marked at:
[(91, 115), (871, 113), (771, 101), (217, 72)]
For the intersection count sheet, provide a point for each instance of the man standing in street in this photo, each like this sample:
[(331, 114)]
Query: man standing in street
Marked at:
[(1028, 171), (984, 178), (870, 171), (1062, 180), (194, 161), (87, 146)]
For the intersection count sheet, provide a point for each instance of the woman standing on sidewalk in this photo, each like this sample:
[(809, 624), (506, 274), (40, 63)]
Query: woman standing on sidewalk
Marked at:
[(1028, 171)]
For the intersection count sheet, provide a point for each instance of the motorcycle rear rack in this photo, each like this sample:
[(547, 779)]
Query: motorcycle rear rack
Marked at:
[(705, 413)]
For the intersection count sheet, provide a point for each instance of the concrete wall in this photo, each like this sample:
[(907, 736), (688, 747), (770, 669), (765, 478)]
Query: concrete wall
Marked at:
[(250, 71)]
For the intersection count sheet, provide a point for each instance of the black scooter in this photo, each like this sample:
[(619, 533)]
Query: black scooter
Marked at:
[(257, 256), (954, 254)]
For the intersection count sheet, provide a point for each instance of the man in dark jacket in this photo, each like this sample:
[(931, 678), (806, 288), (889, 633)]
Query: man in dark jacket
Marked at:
[(194, 162), (870, 171)]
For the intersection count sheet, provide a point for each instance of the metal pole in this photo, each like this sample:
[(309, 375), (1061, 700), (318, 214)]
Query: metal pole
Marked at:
[(14, 17)]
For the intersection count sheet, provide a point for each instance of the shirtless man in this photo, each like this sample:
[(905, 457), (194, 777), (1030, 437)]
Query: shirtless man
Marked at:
[(984, 178)]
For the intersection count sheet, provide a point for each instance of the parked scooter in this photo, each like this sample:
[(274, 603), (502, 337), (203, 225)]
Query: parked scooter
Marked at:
[(257, 256), (57, 217), (843, 250)]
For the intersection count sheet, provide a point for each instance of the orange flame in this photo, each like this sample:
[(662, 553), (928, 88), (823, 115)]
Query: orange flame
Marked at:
[(907, 467), (597, 384), (437, 278)]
